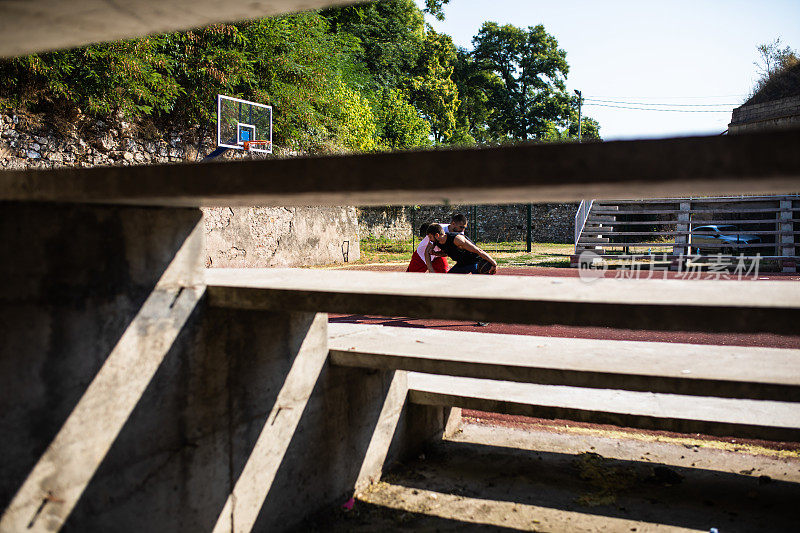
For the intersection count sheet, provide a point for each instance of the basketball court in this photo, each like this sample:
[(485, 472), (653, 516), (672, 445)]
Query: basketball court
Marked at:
[(731, 339)]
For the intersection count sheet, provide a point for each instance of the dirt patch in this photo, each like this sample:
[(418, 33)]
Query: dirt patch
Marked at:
[(507, 479)]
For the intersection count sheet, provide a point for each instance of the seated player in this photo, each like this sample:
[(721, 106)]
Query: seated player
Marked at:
[(460, 249), (458, 223)]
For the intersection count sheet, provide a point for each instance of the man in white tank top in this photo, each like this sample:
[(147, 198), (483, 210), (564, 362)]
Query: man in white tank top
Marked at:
[(458, 224)]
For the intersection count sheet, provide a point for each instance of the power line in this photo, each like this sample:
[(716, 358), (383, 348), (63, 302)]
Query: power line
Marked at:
[(666, 110), (660, 104), (618, 97)]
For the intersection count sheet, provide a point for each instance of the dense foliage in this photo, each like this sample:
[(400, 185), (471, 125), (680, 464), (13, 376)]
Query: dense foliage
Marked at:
[(363, 77)]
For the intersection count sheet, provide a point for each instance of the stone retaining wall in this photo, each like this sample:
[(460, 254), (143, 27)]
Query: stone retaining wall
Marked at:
[(236, 237), (782, 113), (550, 222)]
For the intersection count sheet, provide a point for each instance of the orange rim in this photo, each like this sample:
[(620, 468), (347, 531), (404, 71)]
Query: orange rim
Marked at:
[(248, 144)]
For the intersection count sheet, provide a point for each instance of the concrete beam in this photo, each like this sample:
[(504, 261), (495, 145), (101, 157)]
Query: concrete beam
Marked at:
[(722, 371), (755, 163), (668, 412), (743, 306), (29, 27)]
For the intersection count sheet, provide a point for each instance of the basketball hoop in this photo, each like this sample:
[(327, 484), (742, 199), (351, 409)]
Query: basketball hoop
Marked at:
[(243, 125), (264, 145)]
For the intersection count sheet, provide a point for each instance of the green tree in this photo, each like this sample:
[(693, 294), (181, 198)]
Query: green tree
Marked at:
[(357, 128), (206, 62), (475, 87), (362, 77), (297, 68), (390, 34), (532, 101), (436, 8), (133, 77), (407, 58), (431, 88), (401, 126)]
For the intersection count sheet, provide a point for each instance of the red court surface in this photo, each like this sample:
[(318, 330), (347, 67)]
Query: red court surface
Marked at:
[(731, 339)]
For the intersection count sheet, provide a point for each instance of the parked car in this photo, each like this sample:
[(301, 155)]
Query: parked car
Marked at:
[(726, 239)]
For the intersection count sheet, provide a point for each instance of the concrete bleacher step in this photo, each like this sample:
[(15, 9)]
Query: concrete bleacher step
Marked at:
[(696, 305), (724, 371), (589, 240), (723, 417), (600, 219), (590, 229), (580, 249)]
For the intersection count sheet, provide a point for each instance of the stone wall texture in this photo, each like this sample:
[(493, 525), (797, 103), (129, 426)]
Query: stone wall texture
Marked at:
[(490, 223), (252, 237), (781, 113), (236, 237)]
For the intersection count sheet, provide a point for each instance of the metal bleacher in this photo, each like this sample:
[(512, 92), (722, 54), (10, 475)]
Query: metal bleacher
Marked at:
[(664, 228)]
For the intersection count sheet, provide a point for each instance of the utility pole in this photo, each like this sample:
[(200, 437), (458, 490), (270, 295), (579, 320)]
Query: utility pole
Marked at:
[(580, 101), (528, 237)]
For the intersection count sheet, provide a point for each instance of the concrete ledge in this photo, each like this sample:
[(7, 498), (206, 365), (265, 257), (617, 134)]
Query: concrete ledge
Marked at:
[(26, 28), (741, 164), (764, 306), (723, 371), (778, 421)]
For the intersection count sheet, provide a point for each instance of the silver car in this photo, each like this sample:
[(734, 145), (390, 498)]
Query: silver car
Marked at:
[(726, 239)]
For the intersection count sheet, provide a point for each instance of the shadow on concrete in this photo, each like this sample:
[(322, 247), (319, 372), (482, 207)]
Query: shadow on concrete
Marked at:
[(662, 494), (128, 404), (168, 470), (326, 453), (74, 280), (224, 431), (367, 517)]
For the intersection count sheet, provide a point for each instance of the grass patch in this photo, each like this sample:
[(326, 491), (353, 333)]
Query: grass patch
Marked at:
[(505, 253), (386, 250), (541, 255)]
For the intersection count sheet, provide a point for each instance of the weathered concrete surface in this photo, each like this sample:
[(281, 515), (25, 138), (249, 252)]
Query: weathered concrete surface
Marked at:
[(675, 368), (128, 405), (91, 301), (681, 305), (255, 237), (235, 236), (761, 163), (247, 430), (753, 419), (490, 478), (25, 29)]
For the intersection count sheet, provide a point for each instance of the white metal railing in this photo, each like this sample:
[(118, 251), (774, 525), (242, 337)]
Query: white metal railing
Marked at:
[(580, 219)]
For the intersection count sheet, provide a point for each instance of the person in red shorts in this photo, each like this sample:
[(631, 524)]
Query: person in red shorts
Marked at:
[(458, 223), (467, 256)]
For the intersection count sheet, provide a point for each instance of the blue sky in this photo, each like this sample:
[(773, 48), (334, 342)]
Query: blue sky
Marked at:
[(678, 52)]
